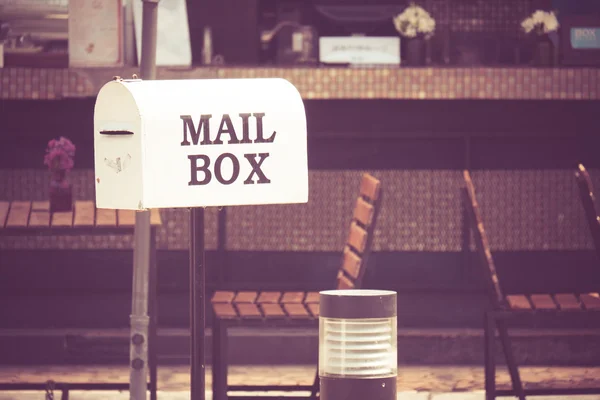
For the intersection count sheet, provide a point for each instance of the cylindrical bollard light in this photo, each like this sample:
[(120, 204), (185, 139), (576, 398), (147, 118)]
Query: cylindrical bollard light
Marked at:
[(358, 345)]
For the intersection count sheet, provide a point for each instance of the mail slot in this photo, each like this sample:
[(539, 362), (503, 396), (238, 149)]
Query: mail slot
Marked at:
[(200, 142)]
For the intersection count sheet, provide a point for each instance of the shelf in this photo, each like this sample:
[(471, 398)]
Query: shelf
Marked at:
[(333, 83)]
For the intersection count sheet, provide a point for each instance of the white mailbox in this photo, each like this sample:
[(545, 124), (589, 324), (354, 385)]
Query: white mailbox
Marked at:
[(205, 142)]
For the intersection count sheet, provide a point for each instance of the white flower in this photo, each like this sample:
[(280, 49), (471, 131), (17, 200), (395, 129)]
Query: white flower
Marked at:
[(413, 21), (551, 23), (541, 22), (528, 25)]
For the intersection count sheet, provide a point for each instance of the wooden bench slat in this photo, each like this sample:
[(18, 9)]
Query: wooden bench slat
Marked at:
[(314, 309), (370, 186), (245, 297), (363, 212), (84, 213), (272, 310), (248, 310), (295, 310), (567, 301), (357, 237), (223, 297), (4, 206), (543, 302), (518, 302), (312, 297), (18, 215), (344, 282), (591, 301), (155, 218), (40, 206), (126, 217), (224, 311), (62, 219), (39, 218), (292, 297), (268, 297), (351, 263), (106, 217)]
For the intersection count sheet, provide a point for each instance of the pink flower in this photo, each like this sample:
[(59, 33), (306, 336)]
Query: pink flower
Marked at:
[(60, 154)]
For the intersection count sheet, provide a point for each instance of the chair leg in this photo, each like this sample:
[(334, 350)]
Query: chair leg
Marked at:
[(489, 357), (513, 368), (315, 387), (219, 360)]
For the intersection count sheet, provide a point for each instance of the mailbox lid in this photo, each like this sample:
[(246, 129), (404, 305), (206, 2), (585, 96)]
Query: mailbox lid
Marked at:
[(118, 148), (256, 151)]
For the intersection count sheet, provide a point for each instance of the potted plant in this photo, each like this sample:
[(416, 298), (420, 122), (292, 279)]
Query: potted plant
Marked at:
[(59, 159), (416, 25), (542, 24)]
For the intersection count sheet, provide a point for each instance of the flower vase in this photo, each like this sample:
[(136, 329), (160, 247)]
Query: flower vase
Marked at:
[(61, 192), (543, 52), (415, 51)]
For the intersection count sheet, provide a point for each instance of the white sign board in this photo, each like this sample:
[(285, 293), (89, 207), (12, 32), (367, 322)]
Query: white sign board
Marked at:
[(359, 50), (205, 142)]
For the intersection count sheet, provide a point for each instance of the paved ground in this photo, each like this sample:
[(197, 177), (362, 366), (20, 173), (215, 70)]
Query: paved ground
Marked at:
[(414, 382)]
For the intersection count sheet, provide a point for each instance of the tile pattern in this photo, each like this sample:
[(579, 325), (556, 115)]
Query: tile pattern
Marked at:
[(533, 209), (499, 16), (334, 83), (421, 211), (43, 83), (433, 83)]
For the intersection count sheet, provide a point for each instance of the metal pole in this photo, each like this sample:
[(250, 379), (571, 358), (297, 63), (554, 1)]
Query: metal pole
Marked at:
[(138, 379), (139, 320), (149, 38), (129, 34), (197, 310)]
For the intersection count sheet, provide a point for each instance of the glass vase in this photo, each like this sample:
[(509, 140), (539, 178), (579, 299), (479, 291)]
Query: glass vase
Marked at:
[(61, 192), (415, 52)]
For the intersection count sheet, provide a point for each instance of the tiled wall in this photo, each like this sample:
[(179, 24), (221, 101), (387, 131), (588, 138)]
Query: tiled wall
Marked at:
[(503, 16), (517, 83), (522, 210)]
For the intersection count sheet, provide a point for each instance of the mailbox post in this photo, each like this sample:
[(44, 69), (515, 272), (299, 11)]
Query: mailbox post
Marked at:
[(194, 144), (142, 322)]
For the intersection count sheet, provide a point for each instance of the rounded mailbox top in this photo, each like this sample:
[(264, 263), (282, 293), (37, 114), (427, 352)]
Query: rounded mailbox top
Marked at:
[(357, 303), (184, 143)]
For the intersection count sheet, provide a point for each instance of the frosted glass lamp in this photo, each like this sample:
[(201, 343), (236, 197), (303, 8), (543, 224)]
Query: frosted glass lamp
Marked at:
[(358, 345)]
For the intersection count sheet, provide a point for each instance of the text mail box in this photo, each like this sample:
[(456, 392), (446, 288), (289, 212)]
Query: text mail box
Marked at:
[(205, 142)]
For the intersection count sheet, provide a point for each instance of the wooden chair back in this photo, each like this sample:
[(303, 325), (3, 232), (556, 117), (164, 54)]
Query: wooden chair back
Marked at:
[(360, 238), (586, 192), (482, 244)]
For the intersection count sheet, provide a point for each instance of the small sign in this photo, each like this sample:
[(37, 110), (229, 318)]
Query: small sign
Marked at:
[(579, 39), (359, 50), (205, 142), (585, 38)]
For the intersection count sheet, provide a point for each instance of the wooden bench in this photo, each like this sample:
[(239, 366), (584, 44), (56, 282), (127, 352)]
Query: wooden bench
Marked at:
[(528, 306), (293, 309), (32, 218)]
